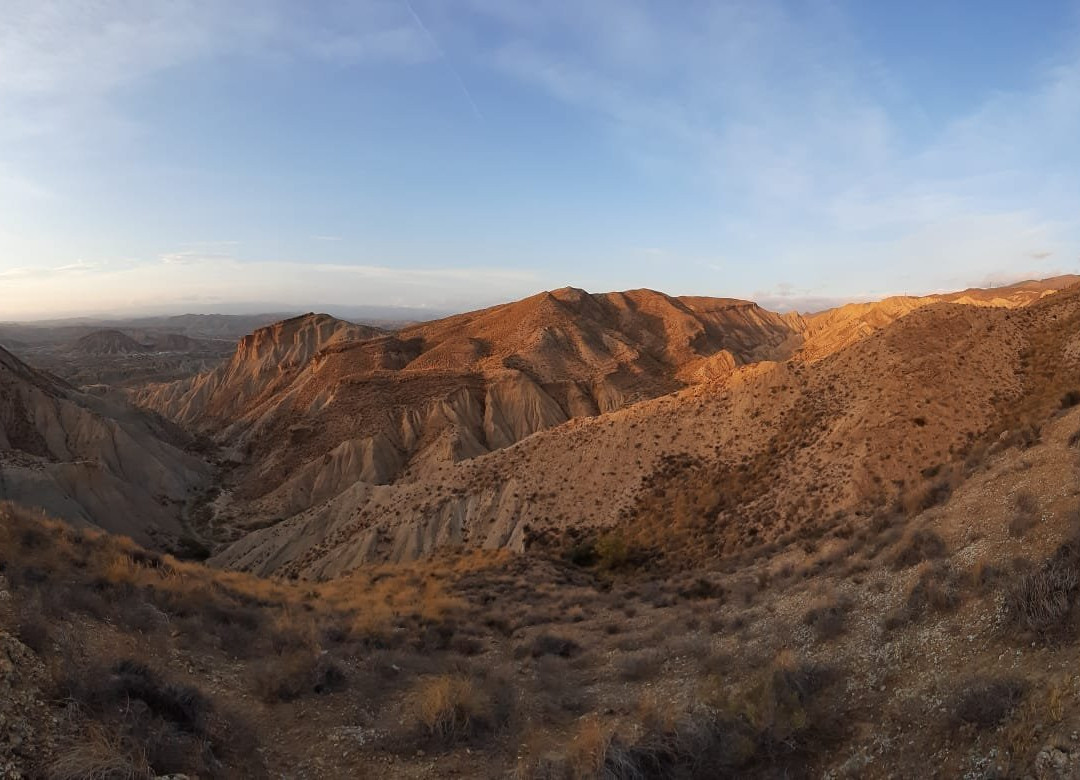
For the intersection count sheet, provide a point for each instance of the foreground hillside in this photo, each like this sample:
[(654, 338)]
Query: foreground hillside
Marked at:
[(907, 644)]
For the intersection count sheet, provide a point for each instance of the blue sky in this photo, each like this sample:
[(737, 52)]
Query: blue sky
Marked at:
[(198, 154)]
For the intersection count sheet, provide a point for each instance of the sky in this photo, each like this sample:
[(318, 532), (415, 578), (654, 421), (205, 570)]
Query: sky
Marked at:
[(199, 155)]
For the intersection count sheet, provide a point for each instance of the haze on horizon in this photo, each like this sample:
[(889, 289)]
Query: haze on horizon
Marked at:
[(197, 156)]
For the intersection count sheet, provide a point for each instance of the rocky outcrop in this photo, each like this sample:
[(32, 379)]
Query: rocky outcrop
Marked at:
[(25, 723), (261, 364)]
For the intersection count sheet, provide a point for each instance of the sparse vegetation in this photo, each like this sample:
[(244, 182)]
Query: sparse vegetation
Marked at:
[(1041, 601), (828, 618), (918, 546), (1026, 514), (986, 702), (297, 673), (456, 708)]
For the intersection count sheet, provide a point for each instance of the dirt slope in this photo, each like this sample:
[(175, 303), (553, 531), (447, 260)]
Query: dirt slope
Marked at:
[(92, 459)]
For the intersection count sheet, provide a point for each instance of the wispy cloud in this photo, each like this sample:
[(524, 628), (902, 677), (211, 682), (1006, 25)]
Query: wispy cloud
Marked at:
[(61, 59), (41, 272), (190, 275), (806, 138)]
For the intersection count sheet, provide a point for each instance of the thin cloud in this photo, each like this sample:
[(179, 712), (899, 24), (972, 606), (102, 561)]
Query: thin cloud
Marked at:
[(39, 272), (192, 257), (61, 61), (181, 275)]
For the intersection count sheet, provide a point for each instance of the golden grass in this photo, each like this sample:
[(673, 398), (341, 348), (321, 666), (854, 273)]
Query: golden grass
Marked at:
[(97, 756), (450, 707)]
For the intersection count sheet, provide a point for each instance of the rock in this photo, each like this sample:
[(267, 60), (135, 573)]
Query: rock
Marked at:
[(1053, 763)]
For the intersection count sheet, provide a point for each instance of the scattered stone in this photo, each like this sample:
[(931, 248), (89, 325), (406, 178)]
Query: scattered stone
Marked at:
[(24, 721)]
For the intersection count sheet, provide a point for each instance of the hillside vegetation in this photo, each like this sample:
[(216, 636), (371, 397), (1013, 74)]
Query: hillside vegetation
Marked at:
[(945, 636)]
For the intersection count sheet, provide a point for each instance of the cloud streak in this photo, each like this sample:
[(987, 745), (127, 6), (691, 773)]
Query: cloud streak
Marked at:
[(193, 276)]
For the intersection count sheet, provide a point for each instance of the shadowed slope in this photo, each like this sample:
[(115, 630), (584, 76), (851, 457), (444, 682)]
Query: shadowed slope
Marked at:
[(91, 459)]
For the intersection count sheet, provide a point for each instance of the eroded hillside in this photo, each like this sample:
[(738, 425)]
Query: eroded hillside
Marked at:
[(93, 459), (311, 408), (876, 648), (742, 460)]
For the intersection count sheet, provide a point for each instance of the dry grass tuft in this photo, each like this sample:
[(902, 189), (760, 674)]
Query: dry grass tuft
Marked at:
[(918, 546), (454, 708), (99, 755), (1026, 514), (1042, 600), (298, 673), (639, 665), (828, 617)]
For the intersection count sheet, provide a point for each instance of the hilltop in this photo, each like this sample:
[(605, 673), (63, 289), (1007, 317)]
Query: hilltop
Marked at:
[(108, 342)]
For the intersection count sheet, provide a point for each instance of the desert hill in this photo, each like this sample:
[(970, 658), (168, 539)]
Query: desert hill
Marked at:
[(767, 450), (109, 342), (387, 441), (261, 363), (92, 459), (831, 330), (342, 409)]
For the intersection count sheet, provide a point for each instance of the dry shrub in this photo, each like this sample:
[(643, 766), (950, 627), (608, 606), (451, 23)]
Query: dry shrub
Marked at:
[(1027, 435), (985, 702), (770, 727), (828, 618), (1041, 600), (454, 708), (291, 633), (1026, 514), (549, 644), (151, 722), (918, 546), (32, 627), (297, 673), (939, 588), (985, 574), (639, 665), (99, 755)]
